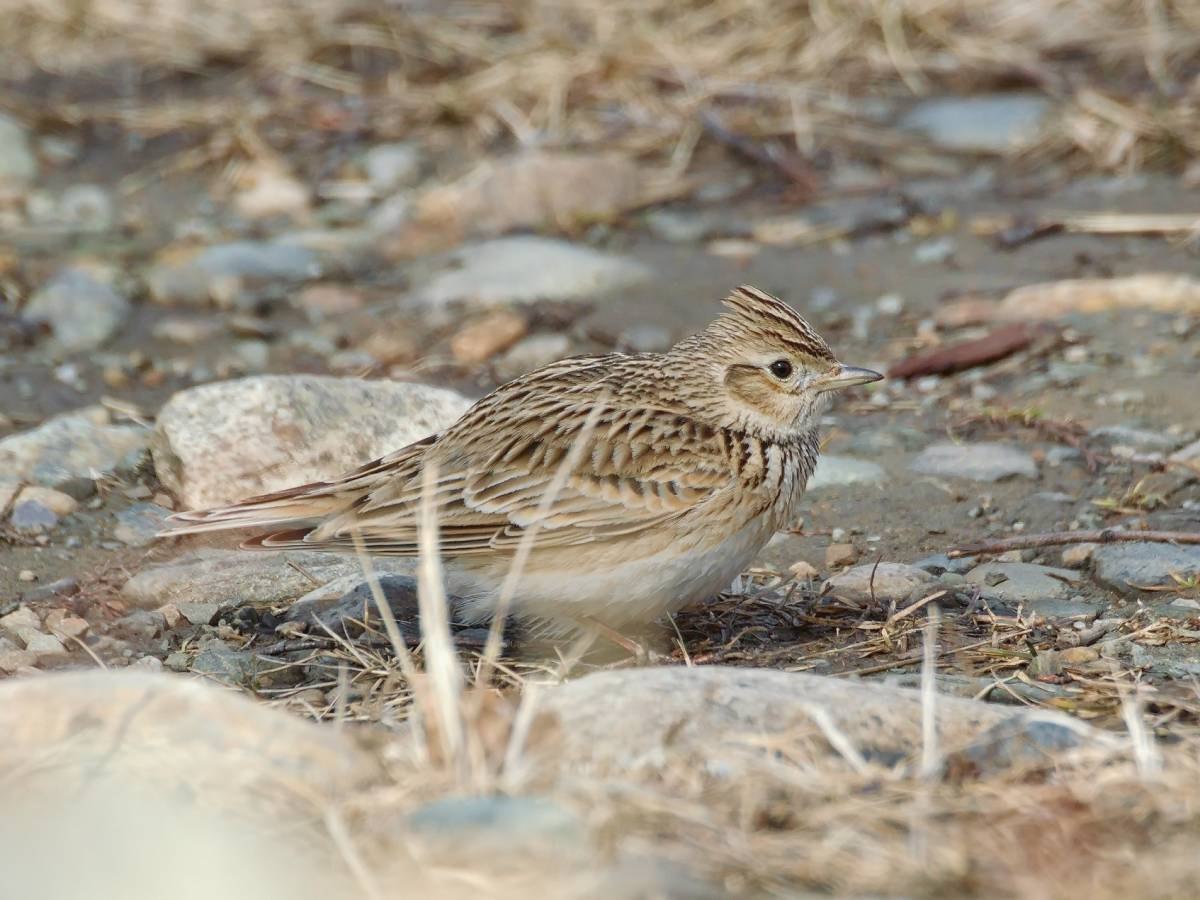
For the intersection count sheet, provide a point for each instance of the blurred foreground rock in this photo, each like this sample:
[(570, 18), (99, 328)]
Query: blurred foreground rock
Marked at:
[(719, 721), (224, 441), (136, 777)]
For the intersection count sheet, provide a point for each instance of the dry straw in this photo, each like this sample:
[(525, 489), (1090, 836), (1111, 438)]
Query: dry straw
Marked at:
[(633, 74)]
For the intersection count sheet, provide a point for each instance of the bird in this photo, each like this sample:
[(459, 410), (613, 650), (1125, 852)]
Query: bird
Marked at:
[(639, 484)]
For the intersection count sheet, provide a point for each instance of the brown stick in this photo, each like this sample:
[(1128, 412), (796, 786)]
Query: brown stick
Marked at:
[(968, 354), (1058, 538)]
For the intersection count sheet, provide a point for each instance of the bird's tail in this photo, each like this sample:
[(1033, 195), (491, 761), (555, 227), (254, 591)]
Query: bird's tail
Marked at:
[(299, 505)]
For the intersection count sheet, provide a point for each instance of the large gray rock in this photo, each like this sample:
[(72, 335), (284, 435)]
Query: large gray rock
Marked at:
[(839, 471), (526, 269), (1127, 566), (996, 123), (1024, 582), (885, 582), (726, 722), (236, 577), (83, 310), (75, 446), (224, 441), (986, 461), (220, 271), (17, 162)]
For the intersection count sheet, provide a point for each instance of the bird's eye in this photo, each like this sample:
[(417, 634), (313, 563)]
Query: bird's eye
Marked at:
[(781, 368)]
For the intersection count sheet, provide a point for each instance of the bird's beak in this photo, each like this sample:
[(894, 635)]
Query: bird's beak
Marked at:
[(846, 376)]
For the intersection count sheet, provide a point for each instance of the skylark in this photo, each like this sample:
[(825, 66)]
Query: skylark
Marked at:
[(639, 483)]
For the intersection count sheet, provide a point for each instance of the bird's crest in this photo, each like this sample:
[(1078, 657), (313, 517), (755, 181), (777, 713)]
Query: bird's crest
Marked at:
[(755, 312)]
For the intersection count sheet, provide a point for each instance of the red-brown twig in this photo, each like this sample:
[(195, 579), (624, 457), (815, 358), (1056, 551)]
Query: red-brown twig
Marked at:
[(1058, 538)]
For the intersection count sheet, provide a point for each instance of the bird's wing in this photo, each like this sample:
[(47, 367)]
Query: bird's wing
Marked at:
[(576, 472), (564, 450)]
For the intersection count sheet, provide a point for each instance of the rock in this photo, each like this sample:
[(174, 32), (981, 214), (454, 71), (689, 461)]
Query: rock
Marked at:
[(689, 226), (996, 123), (392, 166), (483, 338), (139, 525), (18, 165), (1077, 555), (74, 446), (839, 471), (890, 581), (21, 621), (674, 717), (1190, 453), (63, 587), (221, 271), (31, 517), (158, 769), (1125, 567), (531, 353), (186, 331), (198, 613), (45, 646), (61, 624), (803, 571), (220, 662), (536, 191), (977, 462), (526, 269), (82, 310), (12, 661), (1019, 582), (56, 501), (838, 555), (499, 825), (87, 207), (267, 189), (236, 577), (644, 339), (220, 442), (1162, 292), (319, 301), (1138, 440), (940, 563), (350, 597)]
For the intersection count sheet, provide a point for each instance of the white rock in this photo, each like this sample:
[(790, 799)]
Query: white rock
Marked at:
[(235, 577), (885, 582), (212, 273), (531, 353), (525, 269), (79, 444), (83, 310), (985, 461), (392, 166), (838, 471), (224, 441), (996, 123), (17, 162)]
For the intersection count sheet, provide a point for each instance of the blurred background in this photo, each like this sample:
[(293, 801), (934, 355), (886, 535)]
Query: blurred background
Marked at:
[(244, 245)]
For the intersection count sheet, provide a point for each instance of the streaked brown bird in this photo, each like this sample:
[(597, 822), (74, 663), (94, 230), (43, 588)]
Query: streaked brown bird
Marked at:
[(640, 483)]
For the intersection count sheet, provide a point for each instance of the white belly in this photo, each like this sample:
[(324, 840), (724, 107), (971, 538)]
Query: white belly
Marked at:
[(638, 591)]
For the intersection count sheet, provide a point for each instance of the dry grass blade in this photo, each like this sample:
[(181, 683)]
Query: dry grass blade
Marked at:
[(441, 661)]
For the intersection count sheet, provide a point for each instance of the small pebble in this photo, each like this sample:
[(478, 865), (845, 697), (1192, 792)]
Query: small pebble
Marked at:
[(803, 571), (838, 555), (26, 575)]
